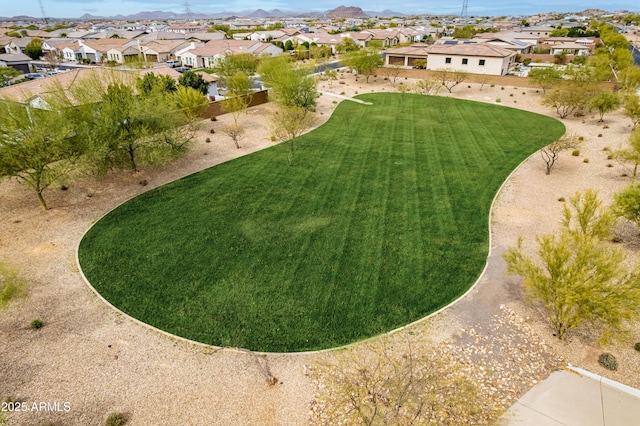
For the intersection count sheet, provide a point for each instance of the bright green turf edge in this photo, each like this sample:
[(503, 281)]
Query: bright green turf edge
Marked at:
[(381, 220)]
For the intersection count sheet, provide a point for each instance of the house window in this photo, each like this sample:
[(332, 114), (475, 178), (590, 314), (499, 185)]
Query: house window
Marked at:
[(481, 62), (465, 61), (447, 60)]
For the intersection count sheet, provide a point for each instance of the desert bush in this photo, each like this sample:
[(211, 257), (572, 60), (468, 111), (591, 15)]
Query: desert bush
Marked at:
[(575, 152), (37, 324), (115, 419), (11, 286), (213, 118), (586, 160), (637, 346), (561, 199), (208, 140), (212, 131), (498, 100), (608, 361)]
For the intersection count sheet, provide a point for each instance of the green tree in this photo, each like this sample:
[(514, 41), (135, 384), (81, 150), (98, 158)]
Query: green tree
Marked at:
[(232, 64), (6, 74), (580, 279), (546, 78), (152, 82), (36, 146), (195, 81), (288, 45), (468, 31), (347, 45), (632, 108), (567, 98), (190, 102), (629, 79), (364, 61), (604, 102), (631, 154), (34, 49), (290, 84), (627, 204)]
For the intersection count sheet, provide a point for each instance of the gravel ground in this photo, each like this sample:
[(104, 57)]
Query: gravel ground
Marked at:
[(99, 361)]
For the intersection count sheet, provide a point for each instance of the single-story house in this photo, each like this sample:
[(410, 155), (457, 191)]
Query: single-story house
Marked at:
[(163, 50), (406, 56), (570, 49), (480, 58), (18, 61)]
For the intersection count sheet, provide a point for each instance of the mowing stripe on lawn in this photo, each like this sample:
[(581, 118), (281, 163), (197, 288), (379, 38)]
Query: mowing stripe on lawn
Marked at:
[(381, 220)]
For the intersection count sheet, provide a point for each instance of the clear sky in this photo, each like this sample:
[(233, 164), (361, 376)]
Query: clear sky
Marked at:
[(77, 8)]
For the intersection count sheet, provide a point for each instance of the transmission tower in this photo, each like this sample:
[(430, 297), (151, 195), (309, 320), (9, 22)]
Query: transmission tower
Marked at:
[(464, 16), (44, 15), (187, 9)]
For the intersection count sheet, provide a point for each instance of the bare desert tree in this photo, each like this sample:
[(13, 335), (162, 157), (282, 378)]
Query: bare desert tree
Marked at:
[(551, 152), (235, 132), (450, 78), (392, 73), (427, 87), (382, 383), (290, 122)]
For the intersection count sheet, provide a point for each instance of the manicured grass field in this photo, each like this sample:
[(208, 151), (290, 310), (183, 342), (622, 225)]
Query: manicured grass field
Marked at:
[(382, 219)]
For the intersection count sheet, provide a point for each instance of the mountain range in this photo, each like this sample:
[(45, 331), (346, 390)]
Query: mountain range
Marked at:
[(342, 12)]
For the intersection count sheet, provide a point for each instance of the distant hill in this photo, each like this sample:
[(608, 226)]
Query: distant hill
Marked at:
[(385, 13), (346, 12)]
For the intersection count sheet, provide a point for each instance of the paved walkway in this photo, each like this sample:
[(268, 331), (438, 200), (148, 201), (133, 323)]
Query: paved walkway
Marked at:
[(577, 398), (348, 98)]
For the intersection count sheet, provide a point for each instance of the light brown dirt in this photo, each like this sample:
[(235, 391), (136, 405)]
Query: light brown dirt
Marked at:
[(99, 361)]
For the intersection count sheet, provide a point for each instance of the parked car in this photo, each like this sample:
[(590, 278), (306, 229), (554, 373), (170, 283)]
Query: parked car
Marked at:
[(173, 63), (33, 75), (182, 69)]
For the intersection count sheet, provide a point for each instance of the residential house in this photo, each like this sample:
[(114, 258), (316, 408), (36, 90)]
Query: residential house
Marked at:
[(163, 50), (207, 36), (186, 28), (388, 37), (208, 55), (406, 56), (18, 61), (361, 39), (504, 42), (17, 45), (480, 58), (570, 49)]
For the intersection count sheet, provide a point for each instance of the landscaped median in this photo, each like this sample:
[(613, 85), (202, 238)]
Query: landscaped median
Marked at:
[(382, 219)]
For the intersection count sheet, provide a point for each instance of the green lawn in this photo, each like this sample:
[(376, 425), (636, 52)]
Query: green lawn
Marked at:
[(382, 219)]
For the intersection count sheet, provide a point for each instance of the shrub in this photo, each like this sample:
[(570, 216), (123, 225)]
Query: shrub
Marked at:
[(575, 152), (511, 94), (502, 88), (212, 131), (599, 135), (493, 85), (36, 324), (581, 138), (561, 199), (468, 86), (11, 286), (208, 140), (586, 160), (609, 165), (637, 346), (608, 361), (144, 182), (498, 100), (213, 118), (273, 138), (115, 419)]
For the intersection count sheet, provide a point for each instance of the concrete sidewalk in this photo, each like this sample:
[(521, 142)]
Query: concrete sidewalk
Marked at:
[(576, 397)]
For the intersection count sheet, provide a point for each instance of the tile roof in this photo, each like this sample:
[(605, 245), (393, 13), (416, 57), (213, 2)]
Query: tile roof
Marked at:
[(482, 49)]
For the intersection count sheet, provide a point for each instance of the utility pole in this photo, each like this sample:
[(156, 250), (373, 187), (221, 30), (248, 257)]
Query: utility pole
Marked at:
[(187, 9)]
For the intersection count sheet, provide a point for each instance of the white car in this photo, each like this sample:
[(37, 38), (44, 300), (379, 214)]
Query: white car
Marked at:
[(172, 63)]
